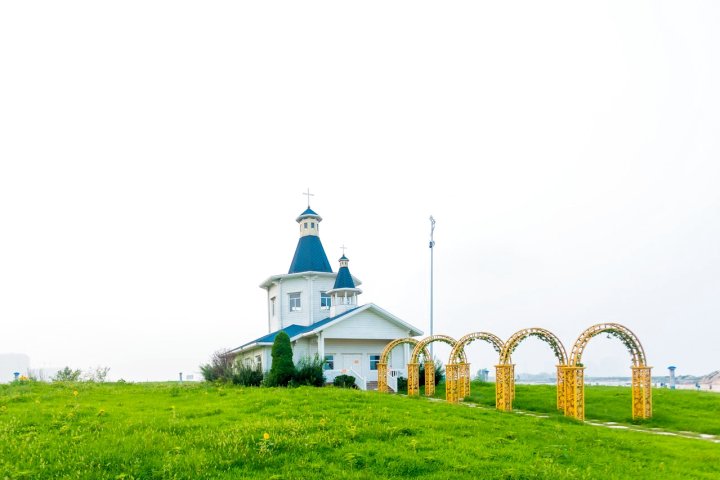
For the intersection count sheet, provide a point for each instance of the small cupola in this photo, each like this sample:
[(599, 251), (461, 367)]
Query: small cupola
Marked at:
[(309, 222), (343, 295)]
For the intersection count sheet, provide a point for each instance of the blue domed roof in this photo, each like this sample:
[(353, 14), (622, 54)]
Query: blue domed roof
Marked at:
[(310, 256), (344, 279), (308, 213)]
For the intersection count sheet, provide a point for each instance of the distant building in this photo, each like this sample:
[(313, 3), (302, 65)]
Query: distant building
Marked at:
[(319, 310), (11, 363), (710, 381)]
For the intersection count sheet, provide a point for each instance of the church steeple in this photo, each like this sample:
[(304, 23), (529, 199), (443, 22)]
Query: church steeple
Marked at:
[(309, 222), (344, 293), (309, 253)]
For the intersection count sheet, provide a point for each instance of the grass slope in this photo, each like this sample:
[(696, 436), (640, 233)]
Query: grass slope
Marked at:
[(116, 431), (678, 410)]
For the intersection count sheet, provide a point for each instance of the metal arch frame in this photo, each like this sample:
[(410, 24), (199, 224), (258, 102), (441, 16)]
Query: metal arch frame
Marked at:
[(570, 375), (505, 370), (573, 377), (466, 340), (414, 365), (545, 335), (382, 364), (627, 337), (457, 371)]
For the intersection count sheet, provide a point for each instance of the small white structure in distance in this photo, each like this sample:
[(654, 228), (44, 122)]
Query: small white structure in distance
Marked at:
[(711, 381), (11, 363)]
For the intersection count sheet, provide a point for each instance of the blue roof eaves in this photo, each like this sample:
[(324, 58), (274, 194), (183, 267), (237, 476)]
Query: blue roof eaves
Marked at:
[(294, 330)]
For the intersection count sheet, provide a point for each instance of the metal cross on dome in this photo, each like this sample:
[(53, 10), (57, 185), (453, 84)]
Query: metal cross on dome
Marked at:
[(343, 249), (309, 195)]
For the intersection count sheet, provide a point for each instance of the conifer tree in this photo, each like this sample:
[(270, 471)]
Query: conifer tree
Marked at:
[(283, 368)]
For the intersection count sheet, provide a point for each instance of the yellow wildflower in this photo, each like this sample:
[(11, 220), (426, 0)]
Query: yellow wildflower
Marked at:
[(75, 393), (266, 436)]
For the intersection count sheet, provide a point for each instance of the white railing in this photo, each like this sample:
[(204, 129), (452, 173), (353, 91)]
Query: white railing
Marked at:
[(360, 381), (392, 376)]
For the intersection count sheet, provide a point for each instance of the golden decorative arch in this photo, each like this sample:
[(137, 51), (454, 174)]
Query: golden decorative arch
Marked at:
[(641, 380), (457, 371), (382, 364), (466, 340), (505, 370), (628, 338), (545, 335), (571, 393), (414, 366)]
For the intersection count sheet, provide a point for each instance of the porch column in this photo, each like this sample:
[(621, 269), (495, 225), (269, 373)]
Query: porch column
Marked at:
[(321, 346)]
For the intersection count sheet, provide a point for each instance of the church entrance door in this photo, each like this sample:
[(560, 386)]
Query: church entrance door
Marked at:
[(354, 361)]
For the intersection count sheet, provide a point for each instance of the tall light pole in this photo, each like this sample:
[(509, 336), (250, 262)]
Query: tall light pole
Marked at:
[(432, 244)]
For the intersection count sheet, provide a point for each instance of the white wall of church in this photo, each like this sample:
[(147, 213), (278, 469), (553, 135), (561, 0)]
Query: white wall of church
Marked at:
[(366, 325), (303, 348), (356, 354), (321, 285), (309, 288), (251, 357), (347, 353)]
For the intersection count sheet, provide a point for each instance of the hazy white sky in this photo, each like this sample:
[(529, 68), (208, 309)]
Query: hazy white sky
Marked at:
[(153, 156)]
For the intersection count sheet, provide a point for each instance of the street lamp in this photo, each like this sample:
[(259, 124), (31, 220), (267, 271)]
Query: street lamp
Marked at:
[(432, 244)]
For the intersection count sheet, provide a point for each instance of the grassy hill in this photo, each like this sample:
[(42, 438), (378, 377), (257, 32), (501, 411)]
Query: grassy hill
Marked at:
[(675, 410), (134, 431)]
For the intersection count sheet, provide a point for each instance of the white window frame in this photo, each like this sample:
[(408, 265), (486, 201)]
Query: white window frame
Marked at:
[(370, 357), (329, 362), (325, 305), (295, 301)]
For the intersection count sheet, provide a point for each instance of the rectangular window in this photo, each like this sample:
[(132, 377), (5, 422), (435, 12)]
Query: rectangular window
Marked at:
[(258, 362), (272, 307), (324, 301), (294, 302), (329, 362), (374, 360)]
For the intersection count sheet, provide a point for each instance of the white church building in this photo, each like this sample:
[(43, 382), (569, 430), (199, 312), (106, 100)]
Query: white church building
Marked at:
[(319, 311)]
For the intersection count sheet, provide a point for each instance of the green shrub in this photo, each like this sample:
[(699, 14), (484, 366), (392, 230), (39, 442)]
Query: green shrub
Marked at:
[(247, 375), (344, 381), (219, 369), (97, 374), (401, 385), (67, 374), (310, 372), (439, 373), (283, 368)]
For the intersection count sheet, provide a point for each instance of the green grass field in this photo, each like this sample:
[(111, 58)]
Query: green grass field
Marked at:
[(673, 410), (126, 431)]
